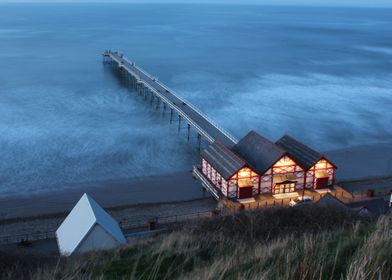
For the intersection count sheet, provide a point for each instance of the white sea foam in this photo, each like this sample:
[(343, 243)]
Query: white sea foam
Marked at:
[(54, 139), (381, 50), (66, 119), (324, 111)]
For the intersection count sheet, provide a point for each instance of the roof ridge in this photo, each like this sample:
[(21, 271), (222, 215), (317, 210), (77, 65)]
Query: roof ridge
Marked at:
[(301, 144), (91, 201), (230, 151), (103, 218), (218, 149), (265, 138), (258, 151)]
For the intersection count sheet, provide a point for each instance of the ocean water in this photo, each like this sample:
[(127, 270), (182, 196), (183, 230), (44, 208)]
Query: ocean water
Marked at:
[(320, 74)]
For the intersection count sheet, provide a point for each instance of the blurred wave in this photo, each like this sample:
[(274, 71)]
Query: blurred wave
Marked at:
[(321, 74)]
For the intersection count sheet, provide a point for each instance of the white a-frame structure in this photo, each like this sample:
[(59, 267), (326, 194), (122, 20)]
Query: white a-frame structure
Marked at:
[(87, 228)]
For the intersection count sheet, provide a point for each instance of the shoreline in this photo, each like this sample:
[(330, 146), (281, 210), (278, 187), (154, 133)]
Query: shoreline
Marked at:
[(354, 163), (157, 189), (131, 217), (362, 162)]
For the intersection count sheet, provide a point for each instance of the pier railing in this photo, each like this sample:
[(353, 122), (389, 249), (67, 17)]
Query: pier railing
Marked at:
[(160, 95), (206, 184), (181, 112), (224, 131), (122, 62)]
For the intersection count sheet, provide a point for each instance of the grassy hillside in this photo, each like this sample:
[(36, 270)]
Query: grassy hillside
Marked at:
[(300, 243)]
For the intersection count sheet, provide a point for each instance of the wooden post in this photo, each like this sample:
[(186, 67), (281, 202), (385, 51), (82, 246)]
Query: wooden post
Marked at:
[(152, 99), (189, 131)]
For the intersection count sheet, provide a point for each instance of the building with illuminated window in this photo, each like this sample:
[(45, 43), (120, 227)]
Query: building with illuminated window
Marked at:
[(255, 166)]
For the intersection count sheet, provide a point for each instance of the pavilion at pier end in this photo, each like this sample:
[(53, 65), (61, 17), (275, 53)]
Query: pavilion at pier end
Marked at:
[(257, 170)]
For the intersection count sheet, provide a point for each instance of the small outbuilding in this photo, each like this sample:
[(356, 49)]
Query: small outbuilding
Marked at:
[(369, 207), (375, 207), (331, 201), (88, 227)]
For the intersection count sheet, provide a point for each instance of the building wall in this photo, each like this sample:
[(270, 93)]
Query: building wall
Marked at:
[(264, 183), (218, 181), (96, 239), (245, 176), (229, 188), (322, 166), (285, 166)]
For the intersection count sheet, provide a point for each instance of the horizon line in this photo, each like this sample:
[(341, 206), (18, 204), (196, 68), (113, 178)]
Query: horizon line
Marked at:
[(245, 3)]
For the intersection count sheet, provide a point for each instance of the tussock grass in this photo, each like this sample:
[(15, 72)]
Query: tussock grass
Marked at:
[(275, 243)]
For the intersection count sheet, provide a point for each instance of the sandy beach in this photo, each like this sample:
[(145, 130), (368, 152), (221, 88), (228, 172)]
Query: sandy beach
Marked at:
[(165, 188), (136, 200), (363, 161), (353, 163)]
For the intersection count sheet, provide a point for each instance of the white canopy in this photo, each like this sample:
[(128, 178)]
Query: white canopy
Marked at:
[(79, 224)]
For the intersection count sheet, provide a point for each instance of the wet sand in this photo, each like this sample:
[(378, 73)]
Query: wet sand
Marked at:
[(166, 188), (360, 162), (353, 163)]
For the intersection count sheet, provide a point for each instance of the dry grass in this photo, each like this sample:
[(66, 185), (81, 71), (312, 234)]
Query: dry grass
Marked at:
[(302, 243)]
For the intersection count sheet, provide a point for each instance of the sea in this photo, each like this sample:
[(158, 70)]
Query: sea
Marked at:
[(320, 74)]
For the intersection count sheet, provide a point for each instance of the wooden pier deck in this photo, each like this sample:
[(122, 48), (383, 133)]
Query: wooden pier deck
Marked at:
[(186, 112)]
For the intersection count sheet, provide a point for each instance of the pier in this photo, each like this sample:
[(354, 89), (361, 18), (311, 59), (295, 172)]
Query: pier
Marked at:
[(180, 110)]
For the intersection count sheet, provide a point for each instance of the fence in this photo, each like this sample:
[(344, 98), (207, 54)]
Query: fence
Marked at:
[(284, 202), (126, 224), (163, 220), (12, 239)]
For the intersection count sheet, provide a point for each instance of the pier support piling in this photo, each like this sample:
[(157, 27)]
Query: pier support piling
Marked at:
[(158, 103), (199, 141), (152, 99), (164, 109), (144, 84)]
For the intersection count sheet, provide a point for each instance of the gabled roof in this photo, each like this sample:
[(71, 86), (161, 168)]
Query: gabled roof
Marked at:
[(330, 200), (77, 225), (258, 151), (304, 155), (222, 159), (377, 206)]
